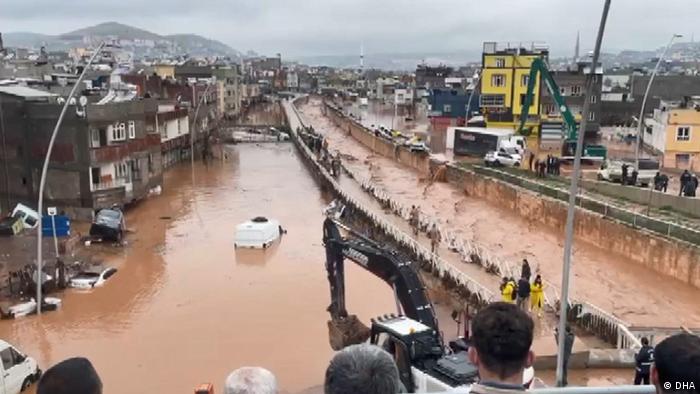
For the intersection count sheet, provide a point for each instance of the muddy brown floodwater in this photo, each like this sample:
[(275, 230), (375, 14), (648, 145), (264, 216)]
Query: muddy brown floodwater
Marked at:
[(185, 308), (630, 291)]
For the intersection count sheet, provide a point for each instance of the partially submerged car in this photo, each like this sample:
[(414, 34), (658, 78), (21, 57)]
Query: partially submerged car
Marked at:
[(89, 280), (108, 225), (259, 232), (29, 307)]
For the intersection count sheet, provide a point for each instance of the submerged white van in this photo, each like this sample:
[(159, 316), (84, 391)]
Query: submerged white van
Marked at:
[(259, 232), (17, 371)]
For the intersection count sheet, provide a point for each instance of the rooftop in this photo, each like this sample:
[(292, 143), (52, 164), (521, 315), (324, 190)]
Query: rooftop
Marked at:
[(25, 92)]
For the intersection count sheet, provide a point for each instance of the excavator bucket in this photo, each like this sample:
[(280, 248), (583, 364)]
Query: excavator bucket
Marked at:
[(346, 331)]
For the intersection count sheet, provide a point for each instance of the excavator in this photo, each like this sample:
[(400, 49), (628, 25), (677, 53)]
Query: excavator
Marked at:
[(412, 335), (571, 128)]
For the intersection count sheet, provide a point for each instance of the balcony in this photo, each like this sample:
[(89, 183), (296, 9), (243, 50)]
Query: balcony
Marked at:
[(107, 183), (120, 151)]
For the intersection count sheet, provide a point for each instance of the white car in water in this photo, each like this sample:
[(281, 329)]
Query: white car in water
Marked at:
[(259, 232), (89, 280), (501, 158)]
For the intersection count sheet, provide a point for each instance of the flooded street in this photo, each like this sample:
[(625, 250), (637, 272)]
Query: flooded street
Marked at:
[(606, 280), (185, 308), (382, 114)]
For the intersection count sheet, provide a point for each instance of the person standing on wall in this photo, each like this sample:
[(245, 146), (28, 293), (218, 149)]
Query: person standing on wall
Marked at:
[(507, 290), (624, 174), (525, 270), (685, 179), (643, 360), (537, 296), (568, 347), (524, 294), (434, 235)]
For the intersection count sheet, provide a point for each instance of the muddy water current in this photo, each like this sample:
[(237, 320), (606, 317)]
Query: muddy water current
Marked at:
[(186, 308)]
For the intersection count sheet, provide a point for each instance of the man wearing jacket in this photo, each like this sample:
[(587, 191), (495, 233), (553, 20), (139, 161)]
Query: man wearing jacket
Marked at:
[(644, 359)]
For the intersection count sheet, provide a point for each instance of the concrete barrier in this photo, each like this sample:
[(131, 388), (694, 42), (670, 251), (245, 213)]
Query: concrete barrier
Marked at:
[(667, 256), (419, 161), (684, 205)]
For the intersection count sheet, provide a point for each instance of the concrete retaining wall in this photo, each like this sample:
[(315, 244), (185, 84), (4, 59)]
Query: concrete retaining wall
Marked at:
[(686, 205), (676, 259), (416, 160), (670, 257)]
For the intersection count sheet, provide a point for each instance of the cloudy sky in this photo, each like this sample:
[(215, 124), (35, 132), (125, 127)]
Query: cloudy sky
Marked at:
[(332, 27)]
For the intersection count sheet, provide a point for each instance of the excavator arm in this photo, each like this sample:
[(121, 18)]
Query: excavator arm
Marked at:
[(408, 288), (539, 66)]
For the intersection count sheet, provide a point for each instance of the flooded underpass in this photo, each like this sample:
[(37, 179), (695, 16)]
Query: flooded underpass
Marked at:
[(185, 308), (628, 290)]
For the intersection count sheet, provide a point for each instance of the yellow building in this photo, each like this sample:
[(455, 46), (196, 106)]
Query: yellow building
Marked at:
[(504, 79), (682, 138), (164, 71)]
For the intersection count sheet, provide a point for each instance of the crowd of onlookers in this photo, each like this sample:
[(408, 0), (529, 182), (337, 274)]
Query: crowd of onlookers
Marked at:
[(500, 348)]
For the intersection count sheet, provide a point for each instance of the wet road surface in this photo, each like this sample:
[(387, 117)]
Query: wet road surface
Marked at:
[(630, 291), (185, 308)]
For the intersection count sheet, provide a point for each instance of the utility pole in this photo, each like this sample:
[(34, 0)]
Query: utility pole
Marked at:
[(44, 170), (573, 190), (640, 121)]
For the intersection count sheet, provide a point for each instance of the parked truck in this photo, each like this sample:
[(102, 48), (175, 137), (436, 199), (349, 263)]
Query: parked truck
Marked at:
[(478, 141)]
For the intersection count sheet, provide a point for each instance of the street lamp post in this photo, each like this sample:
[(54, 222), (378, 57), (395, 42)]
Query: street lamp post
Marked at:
[(44, 170), (640, 120), (573, 191), (194, 121)]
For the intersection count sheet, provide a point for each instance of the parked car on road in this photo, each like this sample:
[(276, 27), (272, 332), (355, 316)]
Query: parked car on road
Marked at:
[(500, 158), (611, 171), (108, 225), (17, 371), (89, 280)]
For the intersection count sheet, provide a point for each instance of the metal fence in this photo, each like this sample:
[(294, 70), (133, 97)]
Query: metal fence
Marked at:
[(635, 219)]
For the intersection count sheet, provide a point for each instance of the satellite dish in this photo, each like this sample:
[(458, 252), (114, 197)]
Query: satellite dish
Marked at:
[(83, 101), (60, 100), (72, 101)]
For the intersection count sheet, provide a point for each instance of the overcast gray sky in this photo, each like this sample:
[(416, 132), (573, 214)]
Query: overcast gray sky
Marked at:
[(331, 27)]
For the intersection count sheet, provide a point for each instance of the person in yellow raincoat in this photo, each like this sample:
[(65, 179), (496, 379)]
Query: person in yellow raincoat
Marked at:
[(507, 289), (537, 295)]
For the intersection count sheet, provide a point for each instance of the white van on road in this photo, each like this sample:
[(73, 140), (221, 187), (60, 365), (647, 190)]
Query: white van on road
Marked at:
[(17, 371)]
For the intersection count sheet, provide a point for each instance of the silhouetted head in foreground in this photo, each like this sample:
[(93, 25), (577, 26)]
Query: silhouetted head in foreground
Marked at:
[(501, 336), (364, 369), (676, 366), (251, 380), (71, 376)]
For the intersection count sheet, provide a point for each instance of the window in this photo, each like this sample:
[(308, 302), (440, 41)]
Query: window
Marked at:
[(500, 62), (94, 138), (576, 90), (498, 80), (682, 160), (493, 100), (591, 116), (524, 79), (593, 99), (121, 170), (447, 108), (7, 359), (132, 129), (119, 131), (522, 99), (683, 133), (150, 162)]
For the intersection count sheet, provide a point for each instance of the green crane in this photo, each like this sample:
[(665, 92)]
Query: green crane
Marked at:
[(539, 66)]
